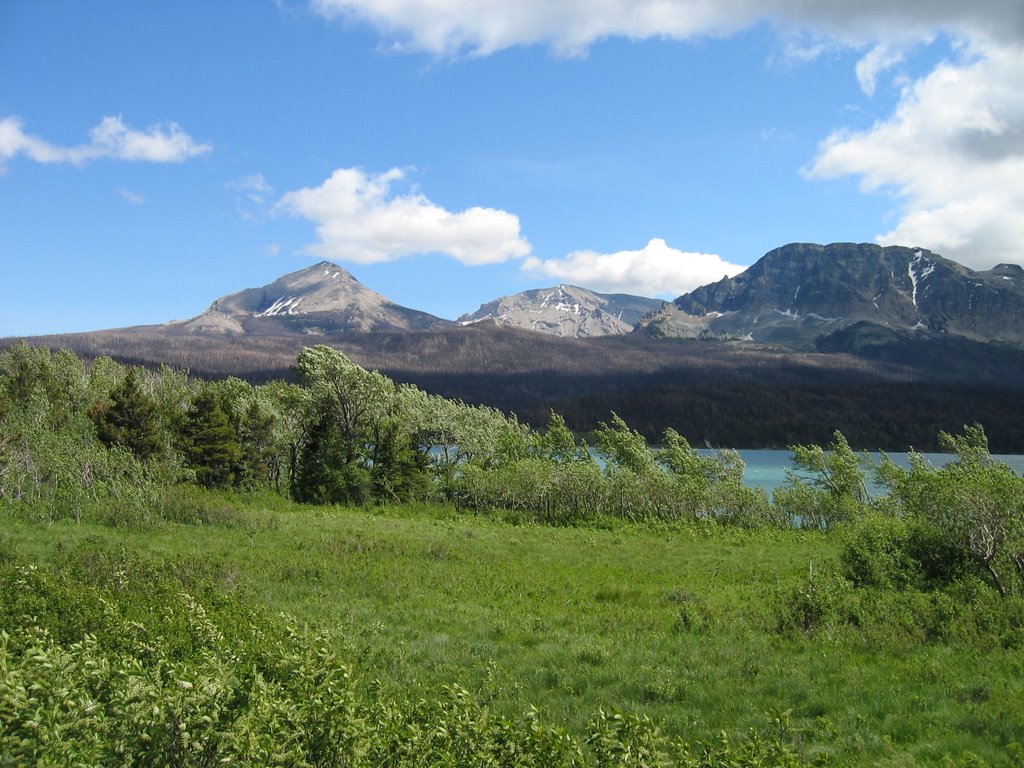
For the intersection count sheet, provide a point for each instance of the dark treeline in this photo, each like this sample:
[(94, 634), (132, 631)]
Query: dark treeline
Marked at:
[(714, 394), (892, 416)]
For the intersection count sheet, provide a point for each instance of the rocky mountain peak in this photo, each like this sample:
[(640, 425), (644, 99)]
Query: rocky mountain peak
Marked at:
[(801, 292), (565, 310), (321, 298)]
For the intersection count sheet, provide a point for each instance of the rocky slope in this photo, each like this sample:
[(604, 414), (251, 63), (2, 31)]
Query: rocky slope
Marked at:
[(566, 310), (807, 296), (323, 298)]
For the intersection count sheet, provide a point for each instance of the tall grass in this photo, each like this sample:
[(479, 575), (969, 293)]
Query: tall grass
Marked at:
[(688, 624)]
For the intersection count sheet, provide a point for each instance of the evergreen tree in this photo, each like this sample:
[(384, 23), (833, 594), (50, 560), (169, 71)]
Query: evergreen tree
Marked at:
[(326, 472), (256, 438), (129, 420), (400, 471), (210, 443)]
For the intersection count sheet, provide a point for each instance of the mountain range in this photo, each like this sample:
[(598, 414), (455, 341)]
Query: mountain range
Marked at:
[(806, 297), (326, 299)]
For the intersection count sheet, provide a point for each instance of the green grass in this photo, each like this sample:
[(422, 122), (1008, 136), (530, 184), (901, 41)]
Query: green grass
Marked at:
[(678, 623)]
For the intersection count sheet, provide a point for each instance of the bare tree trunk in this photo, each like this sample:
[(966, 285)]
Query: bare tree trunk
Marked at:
[(995, 578)]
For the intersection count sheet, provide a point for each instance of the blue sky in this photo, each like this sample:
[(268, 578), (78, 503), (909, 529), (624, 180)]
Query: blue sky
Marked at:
[(154, 156)]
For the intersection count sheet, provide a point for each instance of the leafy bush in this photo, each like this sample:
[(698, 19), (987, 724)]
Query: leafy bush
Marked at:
[(825, 599), (826, 488), (876, 552), (755, 751), (971, 511)]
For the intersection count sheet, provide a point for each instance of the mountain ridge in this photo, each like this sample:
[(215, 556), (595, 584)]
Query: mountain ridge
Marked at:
[(566, 310), (802, 293), (322, 298), (801, 296)]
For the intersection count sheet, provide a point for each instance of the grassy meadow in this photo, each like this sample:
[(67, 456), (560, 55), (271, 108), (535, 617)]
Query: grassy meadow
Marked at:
[(691, 624)]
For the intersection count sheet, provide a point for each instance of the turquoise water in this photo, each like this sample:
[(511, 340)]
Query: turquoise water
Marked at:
[(767, 469)]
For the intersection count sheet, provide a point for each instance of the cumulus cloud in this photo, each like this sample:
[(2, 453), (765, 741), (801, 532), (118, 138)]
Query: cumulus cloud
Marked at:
[(953, 153), (657, 269), (110, 139), (360, 218), (482, 27)]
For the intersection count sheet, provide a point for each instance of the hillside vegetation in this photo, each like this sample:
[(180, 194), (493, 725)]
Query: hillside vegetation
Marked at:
[(346, 571)]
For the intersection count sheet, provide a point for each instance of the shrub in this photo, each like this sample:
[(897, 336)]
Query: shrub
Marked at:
[(875, 552), (825, 599)]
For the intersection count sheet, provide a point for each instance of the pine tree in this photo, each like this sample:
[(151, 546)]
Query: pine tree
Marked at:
[(256, 438), (210, 442), (326, 472), (400, 471), (130, 419)]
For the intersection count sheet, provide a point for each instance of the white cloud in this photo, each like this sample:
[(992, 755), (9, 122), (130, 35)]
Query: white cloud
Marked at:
[(254, 188), (953, 153), (359, 218), (657, 269), (130, 196), (800, 49), (110, 139), (879, 59), (251, 195), (482, 27)]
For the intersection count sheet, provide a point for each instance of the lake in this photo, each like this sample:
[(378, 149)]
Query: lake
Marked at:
[(767, 469)]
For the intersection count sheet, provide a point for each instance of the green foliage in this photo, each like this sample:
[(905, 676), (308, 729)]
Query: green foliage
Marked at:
[(51, 461), (826, 488), (897, 551), (712, 486), (160, 676), (624, 448), (360, 434), (454, 729), (129, 419), (876, 552), (664, 620), (624, 739), (399, 470), (755, 750), (210, 442), (824, 600), (259, 464), (114, 660), (558, 444), (973, 509), (326, 473)]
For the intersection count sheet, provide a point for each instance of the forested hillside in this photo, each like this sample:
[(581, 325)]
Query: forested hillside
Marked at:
[(720, 394)]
